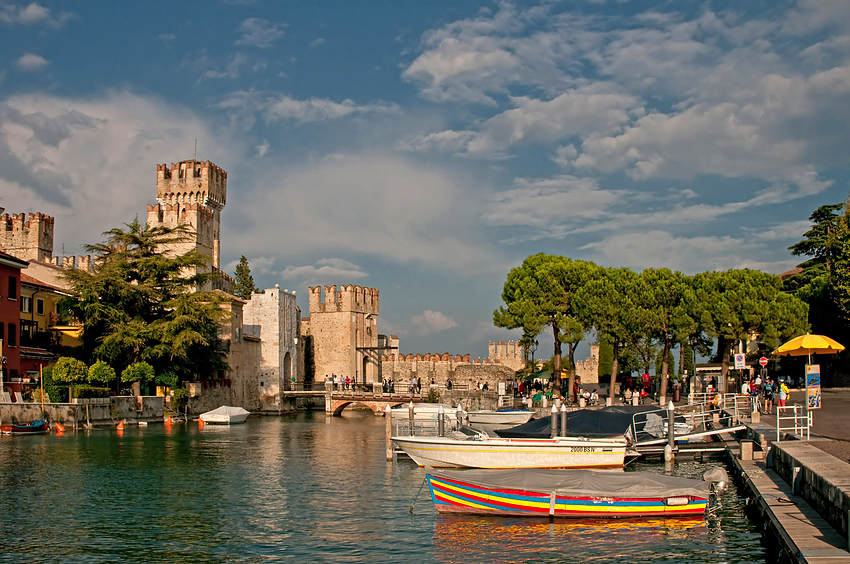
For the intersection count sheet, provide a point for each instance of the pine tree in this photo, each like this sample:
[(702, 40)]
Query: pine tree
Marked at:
[(244, 286)]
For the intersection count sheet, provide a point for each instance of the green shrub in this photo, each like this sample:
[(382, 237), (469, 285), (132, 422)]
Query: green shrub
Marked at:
[(101, 373), (86, 391), (167, 379), (433, 396), (138, 372), (180, 399)]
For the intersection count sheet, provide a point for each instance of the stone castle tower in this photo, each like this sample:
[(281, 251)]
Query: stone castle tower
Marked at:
[(28, 238), (192, 193), (344, 327)]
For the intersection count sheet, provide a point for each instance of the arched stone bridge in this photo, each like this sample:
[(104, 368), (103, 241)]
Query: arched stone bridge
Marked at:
[(337, 400)]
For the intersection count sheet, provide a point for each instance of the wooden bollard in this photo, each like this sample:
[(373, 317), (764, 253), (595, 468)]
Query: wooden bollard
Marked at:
[(388, 415)]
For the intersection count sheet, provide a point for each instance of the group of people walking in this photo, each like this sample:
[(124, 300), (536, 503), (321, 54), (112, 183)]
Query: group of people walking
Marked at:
[(766, 391)]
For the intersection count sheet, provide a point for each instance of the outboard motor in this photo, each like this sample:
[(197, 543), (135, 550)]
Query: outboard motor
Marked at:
[(718, 478)]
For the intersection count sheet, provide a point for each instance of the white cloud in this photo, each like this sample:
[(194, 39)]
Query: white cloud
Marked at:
[(657, 249), (486, 331), (262, 149), (89, 163), (317, 42), (326, 271), (231, 69), (275, 107), (31, 14), (372, 204), (430, 322), (31, 62), (259, 33)]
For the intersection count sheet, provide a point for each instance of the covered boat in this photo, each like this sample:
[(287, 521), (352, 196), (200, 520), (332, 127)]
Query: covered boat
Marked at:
[(225, 415), (37, 427), (425, 411), (500, 417), (638, 422), (569, 493), (460, 450)]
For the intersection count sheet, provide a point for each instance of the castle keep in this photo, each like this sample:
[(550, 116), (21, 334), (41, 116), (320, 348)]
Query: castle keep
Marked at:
[(191, 193), (344, 326)]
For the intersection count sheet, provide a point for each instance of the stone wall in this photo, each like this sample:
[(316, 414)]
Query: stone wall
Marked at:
[(343, 325), (463, 371), (274, 319), (27, 237), (588, 369), (508, 353)]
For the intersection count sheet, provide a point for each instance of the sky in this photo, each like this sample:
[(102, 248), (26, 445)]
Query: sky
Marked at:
[(426, 148)]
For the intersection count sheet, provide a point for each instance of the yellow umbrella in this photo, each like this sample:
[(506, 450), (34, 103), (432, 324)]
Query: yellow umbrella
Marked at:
[(806, 345)]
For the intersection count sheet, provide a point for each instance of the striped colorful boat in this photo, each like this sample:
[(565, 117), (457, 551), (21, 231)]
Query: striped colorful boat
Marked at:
[(567, 493)]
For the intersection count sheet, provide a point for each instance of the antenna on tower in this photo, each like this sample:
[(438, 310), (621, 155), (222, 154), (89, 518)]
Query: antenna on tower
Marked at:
[(196, 150)]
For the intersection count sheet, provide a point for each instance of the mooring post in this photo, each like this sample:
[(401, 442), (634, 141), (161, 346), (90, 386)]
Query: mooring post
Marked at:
[(441, 422), (388, 426), (554, 422), (669, 450), (410, 418), (459, 415), (563, 419)]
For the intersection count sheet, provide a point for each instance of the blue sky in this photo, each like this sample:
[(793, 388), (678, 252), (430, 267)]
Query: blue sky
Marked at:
[(425, 148)]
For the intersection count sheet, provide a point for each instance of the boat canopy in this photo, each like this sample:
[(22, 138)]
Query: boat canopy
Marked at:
[(583, 483)]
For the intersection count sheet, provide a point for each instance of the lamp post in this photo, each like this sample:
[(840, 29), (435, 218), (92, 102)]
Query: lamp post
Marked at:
[(532, 348)]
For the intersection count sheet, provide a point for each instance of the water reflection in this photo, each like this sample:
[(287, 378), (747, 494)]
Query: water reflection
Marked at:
[(303, 488), (459, 538)]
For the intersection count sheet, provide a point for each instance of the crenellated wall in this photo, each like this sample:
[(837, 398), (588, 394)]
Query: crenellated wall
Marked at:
[(509, 353), (27, 236), (343, 325), (191, 193)]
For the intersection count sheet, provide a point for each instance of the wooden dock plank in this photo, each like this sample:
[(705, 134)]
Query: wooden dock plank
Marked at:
[(814, 540)]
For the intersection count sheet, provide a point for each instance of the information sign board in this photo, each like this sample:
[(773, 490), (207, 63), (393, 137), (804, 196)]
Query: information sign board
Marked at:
[(813, 386), (740, 361)]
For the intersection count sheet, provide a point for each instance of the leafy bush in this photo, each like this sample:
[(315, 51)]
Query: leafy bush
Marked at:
[(138, 372), (101, 373), (86, 391), (180, 399), (55, 393), (433, 396), (168, 379), (70, 370)]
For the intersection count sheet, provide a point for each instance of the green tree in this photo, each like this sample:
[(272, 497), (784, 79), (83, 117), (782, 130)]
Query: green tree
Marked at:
[(539, 294), (244, 286), (70, 371), (606, 304), (140, 304), (101, 373), (738, 305), (138, 372)]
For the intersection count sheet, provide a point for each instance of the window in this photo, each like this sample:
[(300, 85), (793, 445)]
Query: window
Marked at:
[(39, 306), (26, 304), (13, 288), (13, 335)]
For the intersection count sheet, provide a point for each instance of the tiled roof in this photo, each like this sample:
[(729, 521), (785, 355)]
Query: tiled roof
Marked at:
[(27, 279)]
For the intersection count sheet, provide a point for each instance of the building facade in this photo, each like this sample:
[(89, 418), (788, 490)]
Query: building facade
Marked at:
[(10, 323)]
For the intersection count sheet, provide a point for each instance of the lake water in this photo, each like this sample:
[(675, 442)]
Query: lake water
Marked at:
[(300, 488)]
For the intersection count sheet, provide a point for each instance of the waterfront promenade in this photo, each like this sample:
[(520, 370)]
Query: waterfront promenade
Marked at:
[(802, 491)]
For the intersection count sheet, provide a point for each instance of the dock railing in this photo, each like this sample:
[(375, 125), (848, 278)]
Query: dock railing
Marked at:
[(701, 418), (794, 419)]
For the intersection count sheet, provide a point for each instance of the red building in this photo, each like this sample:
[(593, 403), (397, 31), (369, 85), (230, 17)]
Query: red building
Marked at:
[(10, 320)]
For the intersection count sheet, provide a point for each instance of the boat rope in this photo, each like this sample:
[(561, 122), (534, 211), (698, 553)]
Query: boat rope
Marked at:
[(418, 492)]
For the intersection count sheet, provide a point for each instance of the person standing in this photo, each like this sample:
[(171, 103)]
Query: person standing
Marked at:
[(783, 393), (768, 395)]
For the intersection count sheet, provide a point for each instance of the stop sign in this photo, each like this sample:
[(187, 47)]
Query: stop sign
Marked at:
[(763, 361)]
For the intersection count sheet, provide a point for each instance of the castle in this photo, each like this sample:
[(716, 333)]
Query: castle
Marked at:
[(269, 347)]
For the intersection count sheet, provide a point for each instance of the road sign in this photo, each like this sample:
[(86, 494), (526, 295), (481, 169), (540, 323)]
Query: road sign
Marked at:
[(763, 361), (740, 361)]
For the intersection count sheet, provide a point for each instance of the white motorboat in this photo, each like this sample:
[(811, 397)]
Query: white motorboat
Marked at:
[(225, 415), (425, 412), (503, 417), (480, 451)]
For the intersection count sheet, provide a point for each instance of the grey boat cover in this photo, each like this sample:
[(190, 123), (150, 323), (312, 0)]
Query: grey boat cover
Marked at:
[(581, 483), (608, 421)]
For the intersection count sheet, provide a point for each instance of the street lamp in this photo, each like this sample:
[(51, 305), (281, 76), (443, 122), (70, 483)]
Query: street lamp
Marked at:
[(532, 348)]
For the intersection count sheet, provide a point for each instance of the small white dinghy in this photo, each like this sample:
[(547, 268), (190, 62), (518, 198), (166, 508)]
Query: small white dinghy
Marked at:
[(225, 415)]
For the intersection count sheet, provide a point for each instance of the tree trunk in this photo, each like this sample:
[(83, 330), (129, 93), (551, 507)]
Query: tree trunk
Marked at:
[(615, 367), (724, 363), (557, 359), (665, 368), (682, 358)]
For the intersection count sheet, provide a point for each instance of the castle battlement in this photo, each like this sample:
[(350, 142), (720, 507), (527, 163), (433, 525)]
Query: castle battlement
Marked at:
[(79, 262), (27, 236), (192, 181), (356, 299), (181, 211)]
